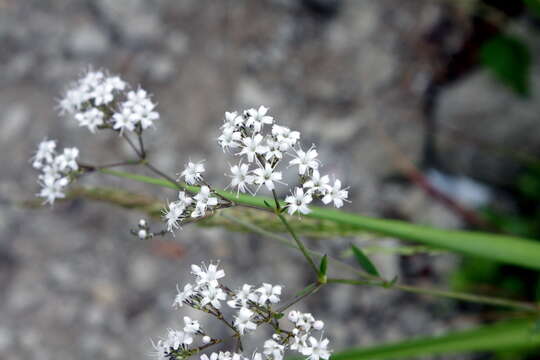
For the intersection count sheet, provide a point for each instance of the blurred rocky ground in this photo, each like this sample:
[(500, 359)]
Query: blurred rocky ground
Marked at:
[(75, 284)]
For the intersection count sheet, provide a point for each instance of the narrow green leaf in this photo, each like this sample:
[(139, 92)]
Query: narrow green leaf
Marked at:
[(364, 261), (509, 60), (501, 336), (323, 266), (503, 248)]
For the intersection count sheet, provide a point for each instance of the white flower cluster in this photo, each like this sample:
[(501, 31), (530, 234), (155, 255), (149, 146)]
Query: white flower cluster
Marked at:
[(246, 136), (254, 308), (55, 169), (98, 100)]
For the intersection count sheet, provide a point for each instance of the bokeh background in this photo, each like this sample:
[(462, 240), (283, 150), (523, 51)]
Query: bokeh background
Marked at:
[(447, 87)]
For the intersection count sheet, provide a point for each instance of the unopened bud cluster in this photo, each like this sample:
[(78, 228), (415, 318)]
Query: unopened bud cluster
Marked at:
[(253, 306), (55, 169)]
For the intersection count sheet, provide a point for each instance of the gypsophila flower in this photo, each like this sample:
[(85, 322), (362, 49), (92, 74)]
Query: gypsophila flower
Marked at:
[(173, 215), (230, 138), (207, 274), (243, 321), (183, 295), (306, 160), (317, 184), (253, 146), (254, 310), (192, 172), (267, 176), (336, 194), (298, 202), (240, 178), (317, 349), (257, 118), (268, 293), (191, 326), (55, 169), (92, 119)]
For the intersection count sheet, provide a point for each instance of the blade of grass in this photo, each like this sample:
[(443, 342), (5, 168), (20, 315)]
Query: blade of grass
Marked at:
[(504, 248), (501, 336)]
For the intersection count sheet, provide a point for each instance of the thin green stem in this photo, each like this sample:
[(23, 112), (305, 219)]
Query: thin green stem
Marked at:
[(296, 239), (132, 145), (300, 298)]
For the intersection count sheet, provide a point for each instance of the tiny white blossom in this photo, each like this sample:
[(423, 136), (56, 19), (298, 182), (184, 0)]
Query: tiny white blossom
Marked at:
[(270, 293), (240, 178), (45, 153), (183, 295), (203, 197), (103, 94), (213, 295), (318, 184), (191, 326), (184, 200), (92, 118), (298, 202), (53, 189), (285, 136), (232, 120), (206, 339), (142, 234), (257, 118), (318, 325), (253, 146), (243, 321), (336, 194), (305, 160), (122, 120), (267, 176), (318, 349), (173, 215), (177, 338), (242, 297), (229, 138), (68, 160), (207, 275), (273, 349), (192, 172)]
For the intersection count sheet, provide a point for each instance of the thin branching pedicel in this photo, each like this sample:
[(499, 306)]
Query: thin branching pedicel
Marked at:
[(254, 306)]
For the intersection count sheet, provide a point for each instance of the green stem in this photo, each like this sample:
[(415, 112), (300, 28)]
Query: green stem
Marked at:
[(298, 242), (300, 298)]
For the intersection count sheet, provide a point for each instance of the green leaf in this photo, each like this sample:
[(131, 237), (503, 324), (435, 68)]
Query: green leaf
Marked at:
[(323, 266), (509, 60), (364, 261), (501, 336), (534, 6), (503, 248)]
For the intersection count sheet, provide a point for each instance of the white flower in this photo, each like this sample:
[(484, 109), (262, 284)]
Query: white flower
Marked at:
[(274, 150), (267, 292), (177, 338), (318, 349), (103, 94), (318, 184), (243, 321), (116, 83), (298, 202), (92, 118), (293, 316), (183, 295), (336, 194), (285, 137), (207, 275), (273, 349), (267, 176), (45, 153), (206, 339), (184, 200), (173, 215), (192, 172), (298, 341), (232, 120), (229, 138), (257, 118), (240, 178), (161, 350), (242, 297), (145, 115), (203, 197), (253, 146), (305, 160), (123, 120), (68, 160), (213, 356), (213, 295), (53, 188), (191, 326)]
